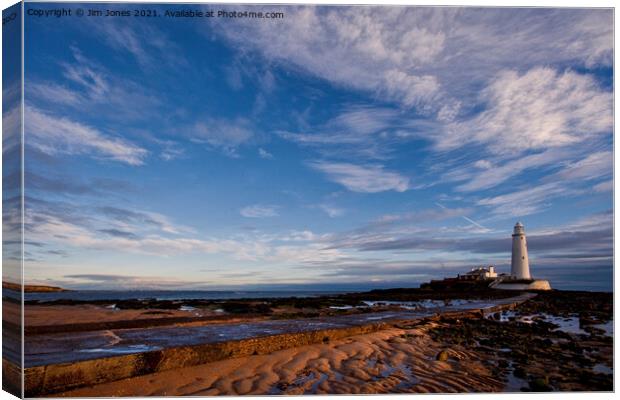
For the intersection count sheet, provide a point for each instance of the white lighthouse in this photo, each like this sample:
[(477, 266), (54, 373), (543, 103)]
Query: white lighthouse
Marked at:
[(520, 264), (519, 278)]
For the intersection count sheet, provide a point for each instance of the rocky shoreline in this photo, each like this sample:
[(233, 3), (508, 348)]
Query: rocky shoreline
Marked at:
[(150, 312), (554, 342)]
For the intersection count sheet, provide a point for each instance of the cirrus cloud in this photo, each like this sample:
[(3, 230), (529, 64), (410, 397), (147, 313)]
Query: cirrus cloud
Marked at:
[(59, 135), (363, 178), (537, 110), (259, 211)]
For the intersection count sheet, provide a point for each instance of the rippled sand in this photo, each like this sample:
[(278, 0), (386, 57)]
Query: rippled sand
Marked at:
[(389, 361)]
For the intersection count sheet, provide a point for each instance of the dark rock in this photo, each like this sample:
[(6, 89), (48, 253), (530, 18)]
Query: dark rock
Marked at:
[(519, 372), (540, 385)]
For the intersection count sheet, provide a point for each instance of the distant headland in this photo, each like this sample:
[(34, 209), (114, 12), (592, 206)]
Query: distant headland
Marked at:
[(32, 288)]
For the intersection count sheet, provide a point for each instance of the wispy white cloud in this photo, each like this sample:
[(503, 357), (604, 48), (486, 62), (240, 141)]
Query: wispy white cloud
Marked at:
[(222, 134), (486, 177), (264, 154), (537, 110), (587, 223), (521, 202), (331, 211), (148, 233), (127, 282), (540, 120), (53, 92), (111, 227), (363, 178), (412, 55), (603, 187), (138, 222), (259, 211), (89, 86), (11, 128), (58, 135), (87, 74), (357, 132), (170, 150), (357, 48), (359, 120), (129, 39), (422, 216), (483, 164), (11, 93), (595, 165)]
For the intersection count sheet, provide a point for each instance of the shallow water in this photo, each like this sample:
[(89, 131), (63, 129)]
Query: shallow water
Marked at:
[(422, 304), (138, 348), (603, 369), (608, 327), (565, 324), (411, 305), (514, 384)]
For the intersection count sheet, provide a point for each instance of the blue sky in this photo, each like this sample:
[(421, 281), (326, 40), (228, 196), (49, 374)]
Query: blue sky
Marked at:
[(335, 146)]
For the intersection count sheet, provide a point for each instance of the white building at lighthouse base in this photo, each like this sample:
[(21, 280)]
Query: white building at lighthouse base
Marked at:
[(534, 284)]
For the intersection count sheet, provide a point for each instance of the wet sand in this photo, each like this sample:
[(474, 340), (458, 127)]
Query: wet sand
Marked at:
[(73, 314), (390, 361)]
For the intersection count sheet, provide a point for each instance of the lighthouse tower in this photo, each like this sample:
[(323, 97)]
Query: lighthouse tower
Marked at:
[(520, 278), (520, 265)]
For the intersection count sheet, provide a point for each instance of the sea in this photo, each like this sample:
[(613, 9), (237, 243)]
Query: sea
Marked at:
[(101, 295), (158, 294)]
